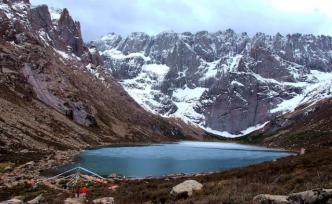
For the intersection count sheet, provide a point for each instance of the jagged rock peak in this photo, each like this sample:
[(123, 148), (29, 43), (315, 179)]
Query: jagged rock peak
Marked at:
[(67, 20), (65, 15), (70, 32)]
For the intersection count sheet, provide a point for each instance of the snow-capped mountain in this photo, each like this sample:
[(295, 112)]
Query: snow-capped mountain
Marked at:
[(225, 82)]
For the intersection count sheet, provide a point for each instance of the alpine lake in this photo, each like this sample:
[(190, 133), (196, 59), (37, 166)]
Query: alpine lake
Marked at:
[(172, 158)]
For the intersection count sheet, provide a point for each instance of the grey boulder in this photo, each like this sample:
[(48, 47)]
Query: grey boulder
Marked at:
[(187, 187)]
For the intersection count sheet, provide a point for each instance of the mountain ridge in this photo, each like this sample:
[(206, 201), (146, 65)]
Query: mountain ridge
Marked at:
[(217, 67)]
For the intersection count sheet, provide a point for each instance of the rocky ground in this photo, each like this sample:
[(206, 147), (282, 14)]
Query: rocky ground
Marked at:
[(18, 171)]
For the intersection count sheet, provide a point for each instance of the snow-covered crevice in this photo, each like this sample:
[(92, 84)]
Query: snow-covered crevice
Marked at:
[(211, 69), (233, 63), (118, 55), (276, 82), (186, 100), (64, 56), (312, 92), (55, 14), (44, 37), (94, 71), (144, 88)]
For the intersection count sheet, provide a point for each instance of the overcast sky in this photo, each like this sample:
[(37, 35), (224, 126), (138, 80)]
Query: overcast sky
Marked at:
[(99, 17)]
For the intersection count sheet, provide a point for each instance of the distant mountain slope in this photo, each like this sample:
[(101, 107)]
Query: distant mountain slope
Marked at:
[(227, 83), (56, 94)]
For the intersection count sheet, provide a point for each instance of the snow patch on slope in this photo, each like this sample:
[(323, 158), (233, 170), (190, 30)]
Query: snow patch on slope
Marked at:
[(234, 62), (55, 14), (6, 10), (211, 69), (243, 132), (156, 71), (185, 100), (67, 56), (118, 55), (94, 72), (311, 93), (236, 83), (143, 88), (44, 37)]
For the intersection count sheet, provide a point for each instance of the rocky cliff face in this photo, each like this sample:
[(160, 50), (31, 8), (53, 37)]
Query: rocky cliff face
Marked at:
[(226, 82), (308, 126), (55, 92)]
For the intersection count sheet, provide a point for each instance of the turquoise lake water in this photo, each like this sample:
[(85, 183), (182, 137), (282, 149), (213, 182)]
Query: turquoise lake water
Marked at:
[(182, 157)]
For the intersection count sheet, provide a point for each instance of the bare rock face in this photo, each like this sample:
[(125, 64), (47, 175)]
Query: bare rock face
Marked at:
[(70, 32), (81, 116), (64, 33), (40, 18), (224, 81)]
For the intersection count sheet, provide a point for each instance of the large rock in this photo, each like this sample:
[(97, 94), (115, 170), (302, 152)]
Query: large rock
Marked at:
[(106, 200), (311, 196), (187, 187), (270, 199)]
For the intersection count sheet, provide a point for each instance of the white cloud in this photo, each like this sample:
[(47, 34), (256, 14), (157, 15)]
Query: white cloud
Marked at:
[(303, 6)]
